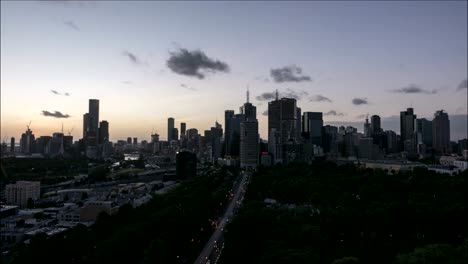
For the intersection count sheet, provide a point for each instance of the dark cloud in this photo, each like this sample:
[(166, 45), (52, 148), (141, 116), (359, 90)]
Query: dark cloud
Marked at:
[(132, 57), (289, 93), (290, 73), (71, 24), (462, 85), (360, 101), (194, 63), (266, 96), (56, 114), (55, 92), (320, 98), (265, 113), (187, 87), (413, 88), (333, 113)]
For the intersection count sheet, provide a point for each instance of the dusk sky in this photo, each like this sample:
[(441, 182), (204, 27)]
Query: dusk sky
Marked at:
[(147, 61)]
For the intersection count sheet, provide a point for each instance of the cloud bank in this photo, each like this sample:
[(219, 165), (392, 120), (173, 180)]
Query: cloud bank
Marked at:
[(194, 63)]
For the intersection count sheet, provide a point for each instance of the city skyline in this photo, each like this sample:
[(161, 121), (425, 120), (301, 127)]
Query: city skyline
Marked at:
[(414, 57)]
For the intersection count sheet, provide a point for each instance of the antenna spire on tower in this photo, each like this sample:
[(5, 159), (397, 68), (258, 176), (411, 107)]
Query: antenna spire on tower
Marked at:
[(248, 94), (276, 94)]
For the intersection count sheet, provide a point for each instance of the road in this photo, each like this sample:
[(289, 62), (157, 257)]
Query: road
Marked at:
[(210, 252)]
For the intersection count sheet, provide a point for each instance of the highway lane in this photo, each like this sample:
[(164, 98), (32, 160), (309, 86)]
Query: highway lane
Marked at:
[(209, 253)]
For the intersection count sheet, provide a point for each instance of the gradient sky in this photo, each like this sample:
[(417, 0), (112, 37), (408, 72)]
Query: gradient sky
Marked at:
[(349, 49)]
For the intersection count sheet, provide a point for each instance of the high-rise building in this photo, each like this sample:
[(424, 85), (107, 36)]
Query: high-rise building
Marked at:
[(228, 115), (12, 145), (27, 142), (249, 136), (175, 133), (282, 116), (85, 124), (441, 132), (312, 124), (375, 124), (20, 192), (135, 141), (329, 137), (170, 129), (93, 118), (299, 122), (103, 132), (129, 140), (392, 141), (407, 130), (183, 129), (423, 130), (367, 128)]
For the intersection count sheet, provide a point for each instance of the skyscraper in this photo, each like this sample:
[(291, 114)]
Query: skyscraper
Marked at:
[(228, 115), (103, 132), (12, 145), (183, 128), (407, 130), (170, 129), (441, 132), (249, 136), (367, 128), (85, 124), (27, 142), (375, 124), (423, 130), (312, 124), (93, 118)]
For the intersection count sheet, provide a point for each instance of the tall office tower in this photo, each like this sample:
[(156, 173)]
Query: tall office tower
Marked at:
[(329, 137), (129, 140), (215, 140), (423, 130), (228, 115), (375, 124), (183, 129), (392, 141), (12, 145), (312, 124), (27, 142), (282, 115), (93, 118), (85, 124), (175, 133), (170, 129), (407, 130), (249, 136), (249, 144), (234, 135), (103, 132), (367, 128), (299, 122), (135, 141), (441, 132)]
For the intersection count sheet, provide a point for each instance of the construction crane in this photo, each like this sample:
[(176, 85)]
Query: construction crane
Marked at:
[(71, 130), (29, 124)]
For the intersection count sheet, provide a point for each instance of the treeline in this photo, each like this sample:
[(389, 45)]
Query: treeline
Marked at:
[(340, 214), (171, 228)]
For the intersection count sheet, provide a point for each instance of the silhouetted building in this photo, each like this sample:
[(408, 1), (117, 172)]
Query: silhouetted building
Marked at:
[(175, 134), (249, 136), (441, 132), (129, 140), (103, 132), (183, 129), (85, 124), (375, 124), (135, 141), (42, 144), (228, 115), (407, 130), (312, 124), (93, 119), (329, 138), (12, 145), (423, 130), (186, 165), (27, 142), (170, 129), (392, 141)]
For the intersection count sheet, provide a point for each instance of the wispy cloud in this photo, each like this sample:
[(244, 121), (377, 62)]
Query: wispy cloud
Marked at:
[(194, 63), (71, 24), (463, 85), (360, 101), (291, 73), (320, 98), (187, 87), (333, 113), (55, 92), (361, 116), (56, 114), (132, 57), (413, 89), (59, 93)]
